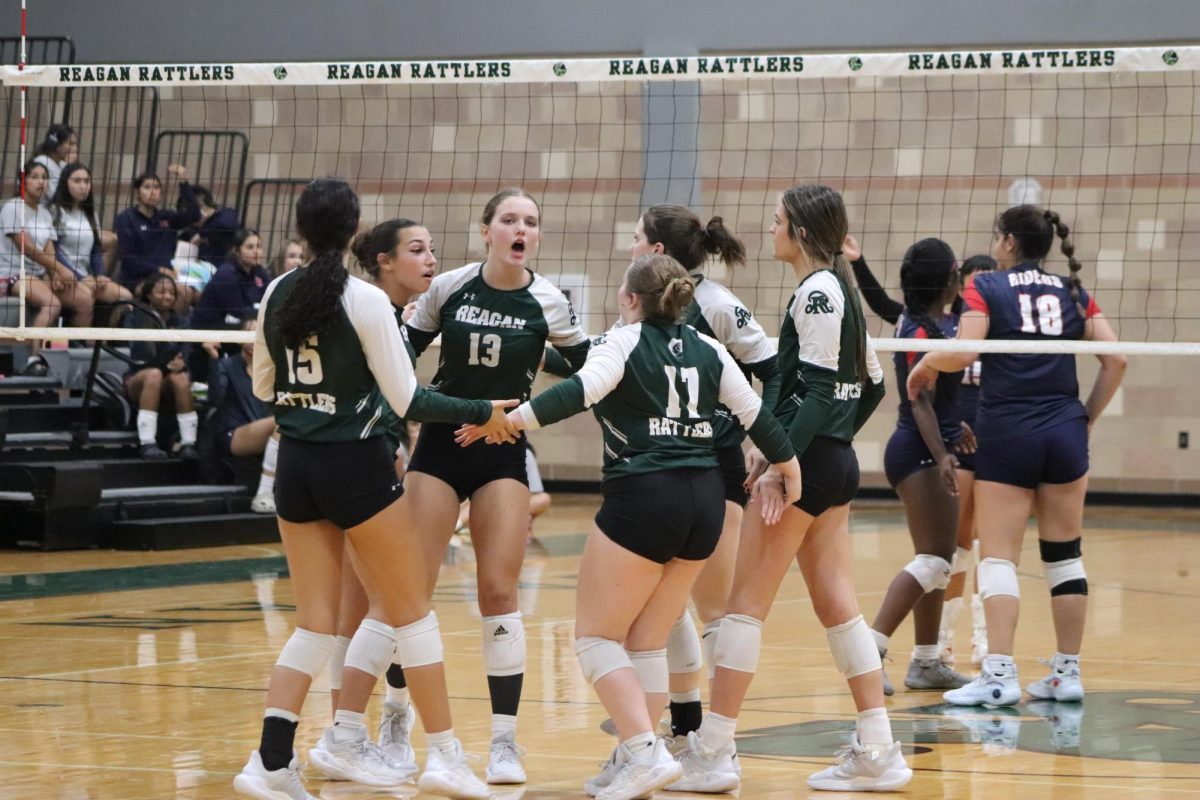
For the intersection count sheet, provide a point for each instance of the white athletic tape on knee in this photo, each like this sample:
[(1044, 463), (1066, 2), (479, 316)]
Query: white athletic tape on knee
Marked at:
[(651, 667), (599, 656), (337, 661), (504, 644), (708, 643), (371, 649), (419, 643), (961, 560), (306, 652), (853, 648), (997, 577), (683, 647), (738, 642), (932, 572)]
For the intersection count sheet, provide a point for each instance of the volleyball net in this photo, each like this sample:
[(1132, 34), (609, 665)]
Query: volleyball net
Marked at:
[(919, 144)]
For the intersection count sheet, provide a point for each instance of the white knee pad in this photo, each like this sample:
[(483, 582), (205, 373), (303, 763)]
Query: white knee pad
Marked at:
[(504, 644), (853, 647), (371, 649), (708, 643), (738, 641), (337, 661), (599, 656), (997, 577), (306, 652), (683, 647), (961, 560), (419, 644), (651, 667), (932, 572)]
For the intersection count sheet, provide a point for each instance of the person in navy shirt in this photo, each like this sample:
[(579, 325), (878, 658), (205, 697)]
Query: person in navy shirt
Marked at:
[(146, 234), (1033, 444), (237, 287), (922, 466)]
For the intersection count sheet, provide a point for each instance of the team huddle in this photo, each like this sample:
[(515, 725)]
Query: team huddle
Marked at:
[(687, 511)]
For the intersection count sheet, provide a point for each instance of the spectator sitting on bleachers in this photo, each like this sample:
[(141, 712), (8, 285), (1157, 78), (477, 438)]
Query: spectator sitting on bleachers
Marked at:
[(78, 247), (237, 287), (215, 229), (59, 148), (146, 234), (193, 273), (49, 286), (163, 371), (244, 424), (288, 259)]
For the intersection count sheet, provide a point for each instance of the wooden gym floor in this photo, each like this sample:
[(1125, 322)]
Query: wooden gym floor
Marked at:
[(129, 676)]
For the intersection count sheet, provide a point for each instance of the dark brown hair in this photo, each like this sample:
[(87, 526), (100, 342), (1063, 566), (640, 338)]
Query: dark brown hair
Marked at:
[(683, 238), (1033, 229), (383, 238)]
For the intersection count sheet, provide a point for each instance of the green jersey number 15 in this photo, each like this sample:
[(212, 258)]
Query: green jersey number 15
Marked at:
[(304, 365)]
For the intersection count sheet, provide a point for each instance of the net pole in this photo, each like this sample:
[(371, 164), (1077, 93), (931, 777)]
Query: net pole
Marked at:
[(24, 121)]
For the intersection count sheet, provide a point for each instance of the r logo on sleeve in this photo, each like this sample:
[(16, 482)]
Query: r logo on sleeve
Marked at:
[(818, 303)]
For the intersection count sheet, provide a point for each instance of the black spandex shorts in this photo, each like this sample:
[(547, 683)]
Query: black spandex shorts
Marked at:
[(829, 469), (733, 469), (676, 513), (466, 469), (346, 483), (1058, 454)]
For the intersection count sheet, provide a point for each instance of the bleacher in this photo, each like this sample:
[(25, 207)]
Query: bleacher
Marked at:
[(70, 471)]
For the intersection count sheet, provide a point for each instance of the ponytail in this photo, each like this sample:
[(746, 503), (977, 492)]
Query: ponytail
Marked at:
[(327, 216), (845, 276), (1068, 250), (689, 242)]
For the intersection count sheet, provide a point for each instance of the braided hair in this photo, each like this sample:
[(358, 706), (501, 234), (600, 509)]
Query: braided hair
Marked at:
[(924, 275), (327, 216), (1033, 229)]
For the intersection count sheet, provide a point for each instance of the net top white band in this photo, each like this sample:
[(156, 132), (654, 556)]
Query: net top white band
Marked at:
[(882, 345), (1061, 60)]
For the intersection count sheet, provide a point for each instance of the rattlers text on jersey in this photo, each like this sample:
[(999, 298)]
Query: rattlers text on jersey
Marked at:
[(492, 339), (332, 387), (655, 388), (816, 357), (715, 311)]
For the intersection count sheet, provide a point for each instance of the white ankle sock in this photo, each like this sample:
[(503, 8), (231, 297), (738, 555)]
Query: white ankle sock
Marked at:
[(692, 696), (348, 725), (504, 726), (398, 697), (716, 731), (881, 641), (874, 728), (147, 426), (266, 481), (925, 652), (640, 747), (189, 424), (443, 741)]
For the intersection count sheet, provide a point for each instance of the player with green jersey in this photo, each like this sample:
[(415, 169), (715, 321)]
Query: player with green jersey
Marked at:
[(398, 256), (654, 385), (717, 312), (832, 382), (327, 349), (495, 319)]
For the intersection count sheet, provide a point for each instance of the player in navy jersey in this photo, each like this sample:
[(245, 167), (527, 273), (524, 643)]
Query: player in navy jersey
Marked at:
[(495, 319), (832, 382), (717, 312), (968, 403), (398, 255), (921, 465), (890, 310), (656, 386), (1033, 444), (327, 351)]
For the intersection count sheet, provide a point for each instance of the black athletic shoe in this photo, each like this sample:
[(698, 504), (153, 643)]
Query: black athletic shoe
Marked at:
[(152, 452)]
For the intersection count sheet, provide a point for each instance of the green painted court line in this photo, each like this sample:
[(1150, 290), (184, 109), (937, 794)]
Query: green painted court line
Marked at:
[(160, 576)]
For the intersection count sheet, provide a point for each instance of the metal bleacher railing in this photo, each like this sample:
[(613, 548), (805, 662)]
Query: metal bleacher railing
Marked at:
[(267, 206)]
